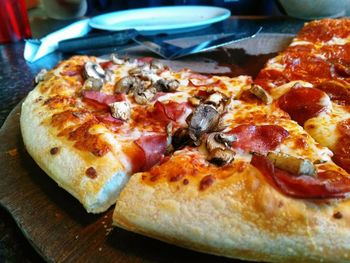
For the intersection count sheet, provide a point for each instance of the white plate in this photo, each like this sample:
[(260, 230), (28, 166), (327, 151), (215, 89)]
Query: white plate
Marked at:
[(157, 20)]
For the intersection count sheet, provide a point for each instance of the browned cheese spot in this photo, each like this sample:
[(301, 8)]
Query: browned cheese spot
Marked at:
[(206, 182), (176, 177), (337, 215), (54, 150), (91, 172)]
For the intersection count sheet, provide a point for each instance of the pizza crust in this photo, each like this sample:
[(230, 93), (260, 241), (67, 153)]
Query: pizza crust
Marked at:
[(68, 166), (239, 217)]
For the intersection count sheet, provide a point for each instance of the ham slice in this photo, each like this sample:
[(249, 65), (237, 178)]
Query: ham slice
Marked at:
[(100, 98), (170, 111), (153, 147)]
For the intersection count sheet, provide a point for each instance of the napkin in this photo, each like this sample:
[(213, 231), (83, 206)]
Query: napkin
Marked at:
[(35, 49)]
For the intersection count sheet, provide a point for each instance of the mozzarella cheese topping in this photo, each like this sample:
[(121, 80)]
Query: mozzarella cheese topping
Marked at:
[(323, 128)]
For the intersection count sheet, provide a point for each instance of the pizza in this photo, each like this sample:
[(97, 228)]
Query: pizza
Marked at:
[(255, 169)]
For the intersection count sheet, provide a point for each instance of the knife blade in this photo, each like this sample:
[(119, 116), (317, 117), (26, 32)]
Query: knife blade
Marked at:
[(98, 40), (154, 44)]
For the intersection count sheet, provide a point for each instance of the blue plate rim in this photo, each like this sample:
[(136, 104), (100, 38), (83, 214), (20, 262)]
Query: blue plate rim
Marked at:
[(225, 14)]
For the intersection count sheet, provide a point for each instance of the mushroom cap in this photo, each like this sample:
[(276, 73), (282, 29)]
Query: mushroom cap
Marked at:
[(219, 140), (166, 85), (261, 93), (221, 157), (291, 164), (120, 110), (93, 84), (126, 84), (143, 96), (94, 70), (204, 119)]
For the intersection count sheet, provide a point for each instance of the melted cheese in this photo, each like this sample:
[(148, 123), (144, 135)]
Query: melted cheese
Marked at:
[(279, 91), (297, 42), (323, 128), (338, 41), (273, 63), (298, 143)]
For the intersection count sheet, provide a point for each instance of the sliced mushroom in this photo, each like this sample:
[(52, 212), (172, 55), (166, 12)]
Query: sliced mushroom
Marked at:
[(216, 99), (221, 157), (93, 84), (40, 76), (94, 70), (157, 65), (181, 138), (135, 71), (339, 68), (261, 93), (219, 140), (166, 85), (204, 119), (143, 96), (127, 84), (225, 138), (110, 77), (291, 164), (116, 60), (120, 110), (212, 142)]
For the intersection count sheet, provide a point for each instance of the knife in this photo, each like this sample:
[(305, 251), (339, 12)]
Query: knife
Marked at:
[(155, 44), (98, 40)]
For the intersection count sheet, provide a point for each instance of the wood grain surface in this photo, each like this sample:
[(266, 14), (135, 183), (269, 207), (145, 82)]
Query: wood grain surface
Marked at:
[(56, 224)]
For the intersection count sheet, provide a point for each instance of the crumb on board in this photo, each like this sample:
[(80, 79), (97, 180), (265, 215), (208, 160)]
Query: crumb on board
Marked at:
[(13, 152), (108, 230)]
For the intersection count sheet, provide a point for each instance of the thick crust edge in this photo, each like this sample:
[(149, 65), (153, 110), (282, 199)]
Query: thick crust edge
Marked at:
[(69, 165)]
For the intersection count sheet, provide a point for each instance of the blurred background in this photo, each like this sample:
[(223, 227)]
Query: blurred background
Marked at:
[(63, 9), (70, 10)]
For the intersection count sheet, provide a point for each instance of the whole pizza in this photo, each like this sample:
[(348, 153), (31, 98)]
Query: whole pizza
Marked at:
[(255, 169)]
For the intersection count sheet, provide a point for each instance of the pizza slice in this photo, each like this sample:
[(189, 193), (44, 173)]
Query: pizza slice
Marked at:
[(256, 188), (91, 123), (310, 81)]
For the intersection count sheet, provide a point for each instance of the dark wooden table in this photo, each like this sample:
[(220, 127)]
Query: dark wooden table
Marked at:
[(16, 81)]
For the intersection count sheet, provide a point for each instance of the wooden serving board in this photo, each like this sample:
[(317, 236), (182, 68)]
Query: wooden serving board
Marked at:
[(57, 225)]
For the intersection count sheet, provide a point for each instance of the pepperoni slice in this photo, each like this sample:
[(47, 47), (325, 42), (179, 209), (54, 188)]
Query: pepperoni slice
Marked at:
[(329, 184), (170, 111), (153, 147), (259, 139), (302, 103), (268, 76), (339, 68), (336, 51), (325, 30), (338, 92), (100, 98), (306, 67)]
